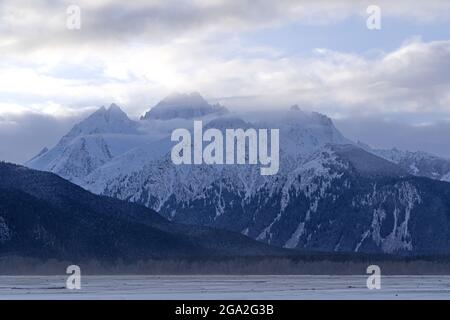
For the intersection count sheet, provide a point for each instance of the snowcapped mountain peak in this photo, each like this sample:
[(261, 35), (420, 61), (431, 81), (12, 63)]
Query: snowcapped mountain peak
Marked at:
[(321, 119), (183, 106), (105, 120), (303, 132), (298, 117), (115, 109), (183, 99), (112, 113), (177, 98), (89, 144), (294, 108), (228, 122)]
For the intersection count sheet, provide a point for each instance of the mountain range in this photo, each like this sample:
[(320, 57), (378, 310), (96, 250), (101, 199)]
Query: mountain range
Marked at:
[(331, 194)]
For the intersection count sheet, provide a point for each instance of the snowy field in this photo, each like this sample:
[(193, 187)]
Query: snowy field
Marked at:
[(225, 287)]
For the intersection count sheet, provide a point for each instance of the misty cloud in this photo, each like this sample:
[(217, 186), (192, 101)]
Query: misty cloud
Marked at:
[(22, 136), (386, 134)]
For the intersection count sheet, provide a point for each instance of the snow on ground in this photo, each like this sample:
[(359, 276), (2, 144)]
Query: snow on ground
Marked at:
[(225, 287)]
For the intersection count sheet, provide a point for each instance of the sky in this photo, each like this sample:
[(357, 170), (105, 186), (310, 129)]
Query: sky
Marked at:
[(386, 87)]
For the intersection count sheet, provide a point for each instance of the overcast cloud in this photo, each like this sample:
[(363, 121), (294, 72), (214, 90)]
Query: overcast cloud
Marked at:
[(136, 53)]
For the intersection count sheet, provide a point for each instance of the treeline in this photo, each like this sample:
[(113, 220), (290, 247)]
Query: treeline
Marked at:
[(230, 266)]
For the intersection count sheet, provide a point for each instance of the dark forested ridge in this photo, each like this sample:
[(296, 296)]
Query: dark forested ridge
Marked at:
[(45, 216)]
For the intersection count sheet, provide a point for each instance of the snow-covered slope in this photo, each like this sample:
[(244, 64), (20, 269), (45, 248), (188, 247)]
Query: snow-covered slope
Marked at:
[(329, 194), (304, 132), (184, 106), (89, 145), (418, 163)]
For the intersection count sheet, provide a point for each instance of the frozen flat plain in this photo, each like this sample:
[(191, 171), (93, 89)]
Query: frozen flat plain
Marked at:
[(208, 287)]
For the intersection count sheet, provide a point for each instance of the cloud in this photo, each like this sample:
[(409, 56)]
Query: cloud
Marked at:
[(383, 133), (145, 49), (411, 79), (414, 78), (23, 135), (135, 54), (33, 24)]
